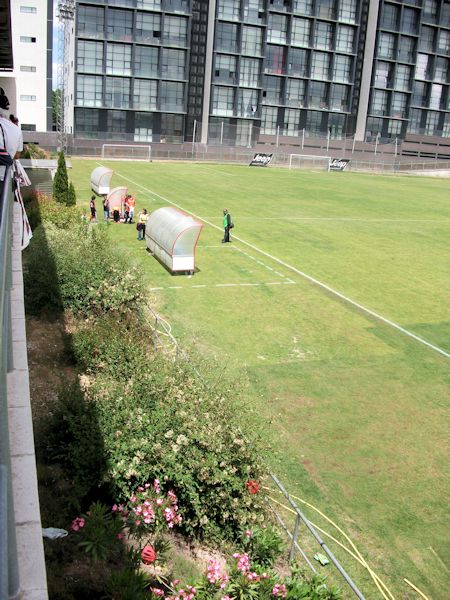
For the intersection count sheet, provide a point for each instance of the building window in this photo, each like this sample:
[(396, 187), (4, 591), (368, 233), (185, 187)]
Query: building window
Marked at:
[(436, 96), (430, 11), (117, 123), (403, 78), (120, 24), (27, 39), (314, 123), (304, 7), (323, 35), (398, 106), (298, 62), (325, 9), (251, 40), (223, 101), (89, 90), (419, 96), (30, 10), (347, 11), (295, 93), (90, 56), (225, 68), (146, 61), (143, 127), (148, 27), (247, 105), (28, 69), (291, 122), (414, 121), (277, 28), (379, 102), (27, 98), (87, 121), (320, 65), (172, 127), (145, 94), (345, 38), (91, 21), (386, 45), (272, 90), (118, 59), (149, 4), (175, 30), (422, 66), (336, 125), (446, 127), (171, 95), (117, 92), (253, 11), (373, 128), (440, 69), (444, 41), (173, 63), (406, 49), (317, 97), (249, 72), (394, 128), (410, 20), (227, 37), (426, 40), (275, 60), (228, 9), (383, 74), (389, 17), (269, 120), (28, 127), (339, 97), (300, 32), (432, 123)]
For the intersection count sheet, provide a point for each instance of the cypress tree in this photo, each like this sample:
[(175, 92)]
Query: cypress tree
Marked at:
[(61, 181), (71, 195)]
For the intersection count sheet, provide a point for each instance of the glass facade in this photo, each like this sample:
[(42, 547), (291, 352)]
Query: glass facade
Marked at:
[(280, 67)]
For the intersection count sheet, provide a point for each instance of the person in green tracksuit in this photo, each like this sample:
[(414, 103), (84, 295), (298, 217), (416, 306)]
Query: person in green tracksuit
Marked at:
[(227, 225)]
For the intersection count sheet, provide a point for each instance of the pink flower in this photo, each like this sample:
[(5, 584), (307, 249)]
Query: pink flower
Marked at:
[(77, 524), (137, 523), (120, 536), (156, 486), (249, 533), (115, 508), (279, 589), (157, 592)]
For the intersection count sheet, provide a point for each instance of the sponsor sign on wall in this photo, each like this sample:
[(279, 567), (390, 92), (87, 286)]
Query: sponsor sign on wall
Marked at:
[(261, 160), (338, 164)]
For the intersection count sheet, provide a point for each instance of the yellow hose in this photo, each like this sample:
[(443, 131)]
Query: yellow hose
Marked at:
[(362, 562), (417, 589)]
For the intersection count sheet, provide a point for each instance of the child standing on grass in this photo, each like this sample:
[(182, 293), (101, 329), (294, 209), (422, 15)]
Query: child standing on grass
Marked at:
[(93, 210)]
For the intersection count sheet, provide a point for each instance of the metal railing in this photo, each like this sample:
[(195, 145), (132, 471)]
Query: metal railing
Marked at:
[(9, 575)]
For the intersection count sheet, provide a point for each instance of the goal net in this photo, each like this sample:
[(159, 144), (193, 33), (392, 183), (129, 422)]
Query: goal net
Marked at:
[(126, 152), (304, 161)]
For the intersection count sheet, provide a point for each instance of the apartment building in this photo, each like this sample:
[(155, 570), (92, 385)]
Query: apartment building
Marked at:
[(29, 85), (233, 71)]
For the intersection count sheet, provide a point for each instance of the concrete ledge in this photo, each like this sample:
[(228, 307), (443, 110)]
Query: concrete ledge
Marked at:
[(30, 546)]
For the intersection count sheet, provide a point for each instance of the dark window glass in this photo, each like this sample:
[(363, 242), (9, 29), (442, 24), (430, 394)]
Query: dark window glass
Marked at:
[(403, 74), (317, 97), (120, 24), (419, 96), (414, 121), (228, 9), (272, 90), (227, 37), (406, 49), (148, 27), (269, 118), (291, 122), (116, 120), (320, 65), (249, 72), (323, 35), (277, 28), (247, 103), (347, 11), (379, 102), (410, 20), (91, 21), (90, 56), (314, 124), (430, 11), (225, 68), (171, 95), (383, 74), (143, 127), (223, 101), (303, 7), (441, 69), (251, 41), (173, 63), (345, 38), (389, 16), (339, 97), (300, 32), (426, 40), (275, 60), (87, 121), (295, 93), (118, 59), (89, 90), (386, 45), (117, 92), (145, 94), (146, 61), (325, 9), (298, 62), (175, 30)]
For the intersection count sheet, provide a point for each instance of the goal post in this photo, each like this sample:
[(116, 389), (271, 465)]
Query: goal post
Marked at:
[(126, 152), (305, 161)]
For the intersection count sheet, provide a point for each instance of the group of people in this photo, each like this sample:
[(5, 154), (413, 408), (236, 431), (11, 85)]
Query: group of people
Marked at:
[(114, 212)]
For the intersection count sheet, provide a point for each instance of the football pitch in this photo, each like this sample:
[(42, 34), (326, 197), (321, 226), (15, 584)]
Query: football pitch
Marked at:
[(332, 307)]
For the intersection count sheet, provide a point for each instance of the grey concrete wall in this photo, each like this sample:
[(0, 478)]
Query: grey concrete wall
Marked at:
[(30, 547)]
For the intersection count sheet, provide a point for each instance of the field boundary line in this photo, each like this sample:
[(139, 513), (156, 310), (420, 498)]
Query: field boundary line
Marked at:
[(220, 285), (324, 286)]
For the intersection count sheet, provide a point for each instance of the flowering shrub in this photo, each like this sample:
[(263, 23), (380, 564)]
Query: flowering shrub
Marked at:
[(264, 545), (245, 582), (98, 532)]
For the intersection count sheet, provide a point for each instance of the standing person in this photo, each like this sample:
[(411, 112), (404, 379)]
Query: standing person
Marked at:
[(10, 135), (93, 210), (142, 221), (227, 225), (131, 206), (126, 209), (105, 208)]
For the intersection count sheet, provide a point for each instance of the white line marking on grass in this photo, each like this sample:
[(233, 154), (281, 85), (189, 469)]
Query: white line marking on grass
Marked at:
[(228, 285), (306, 276), (287, 218)]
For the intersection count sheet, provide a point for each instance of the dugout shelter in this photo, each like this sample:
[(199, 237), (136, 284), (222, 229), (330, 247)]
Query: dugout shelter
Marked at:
[(101, 180), (172, 236)]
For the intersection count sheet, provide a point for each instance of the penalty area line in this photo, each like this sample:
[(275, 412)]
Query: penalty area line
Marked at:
[(320, 284)]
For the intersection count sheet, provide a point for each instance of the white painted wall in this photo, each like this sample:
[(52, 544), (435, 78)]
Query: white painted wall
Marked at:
[(29, 102)]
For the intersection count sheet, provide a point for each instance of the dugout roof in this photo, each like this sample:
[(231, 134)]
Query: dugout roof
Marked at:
[(174, 231)]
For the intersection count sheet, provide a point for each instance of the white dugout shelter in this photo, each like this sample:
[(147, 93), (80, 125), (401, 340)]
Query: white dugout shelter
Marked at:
[(172, 235), (101, 180)]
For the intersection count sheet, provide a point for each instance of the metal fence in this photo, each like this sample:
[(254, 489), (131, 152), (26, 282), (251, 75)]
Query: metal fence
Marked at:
[(9, 576)]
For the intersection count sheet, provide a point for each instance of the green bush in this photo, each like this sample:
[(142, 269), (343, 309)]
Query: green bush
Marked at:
[(71, 195), (61, 181), (41, 208), (264, 545), (166, 424), (92, 277)]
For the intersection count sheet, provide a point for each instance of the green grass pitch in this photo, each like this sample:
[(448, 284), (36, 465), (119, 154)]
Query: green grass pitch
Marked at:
[(353, 408)]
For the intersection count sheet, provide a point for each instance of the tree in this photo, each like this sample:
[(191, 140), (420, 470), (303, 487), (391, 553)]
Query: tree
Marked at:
[(61, 181), (71, 195), (56, 100)]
